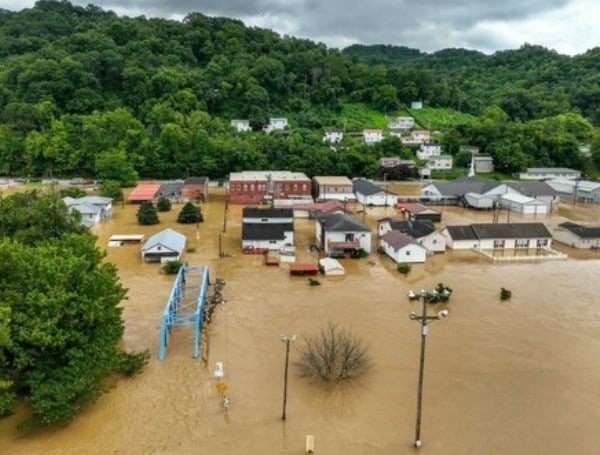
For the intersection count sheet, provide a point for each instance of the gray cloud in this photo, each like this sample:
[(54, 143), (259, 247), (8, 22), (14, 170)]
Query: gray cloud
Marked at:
[(427, 24)]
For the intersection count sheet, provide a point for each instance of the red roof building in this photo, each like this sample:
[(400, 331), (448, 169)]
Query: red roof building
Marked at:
[(144, 191)]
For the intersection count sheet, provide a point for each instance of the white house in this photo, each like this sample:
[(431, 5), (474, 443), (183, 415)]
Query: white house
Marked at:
[(339, 234), (275, 123), (416, 137), (498, 236), (367, 193), (440, 163), (422, 231), (333, 136), (402, 248), (93, 209), (267, 229), (401, 123), (428, 150), (547, 173), (372, 136), (524, 204), (577, 235), (241, 126), (166, 245), (577, 190), (483, 164)]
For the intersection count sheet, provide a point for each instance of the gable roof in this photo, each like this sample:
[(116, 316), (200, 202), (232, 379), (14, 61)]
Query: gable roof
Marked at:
[(533, 189), (167, 238), (367, 188), (144, 191), (461, 232), (586, 232), (465, 185), (266, 231), (170, 188), (415, 229), (255, 212), (196, 181), (341, 222), (398, 240), (331, 206), (415, 207)]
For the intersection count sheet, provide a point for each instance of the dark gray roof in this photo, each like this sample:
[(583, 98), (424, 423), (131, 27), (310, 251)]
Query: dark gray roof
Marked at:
[(255, 212), (266, 231), (196, 181), (465, 185), (367, 188), (533, 189), (511, 230), (397, 239), (341, 222), (586, 232), (170, 188), (416, 229), (461, 232)]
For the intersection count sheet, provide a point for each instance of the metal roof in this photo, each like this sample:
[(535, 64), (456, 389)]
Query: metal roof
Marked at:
[(168, 238), (145, 191), (533, 188), (511, 230), (367, 188)]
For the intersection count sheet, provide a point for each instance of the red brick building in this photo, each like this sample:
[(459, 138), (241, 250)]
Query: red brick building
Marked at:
[(256, 187)]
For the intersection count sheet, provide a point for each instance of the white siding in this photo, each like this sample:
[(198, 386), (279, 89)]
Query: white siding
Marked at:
[(409, 253)]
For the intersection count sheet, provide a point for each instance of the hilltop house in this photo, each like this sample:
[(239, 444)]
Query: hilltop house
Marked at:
[(339, 234), (372, 136), (275, 123), (428, 150), (416, 137), (401, 123), (333, 136), (241, 126), (440, 162), (483, 164)]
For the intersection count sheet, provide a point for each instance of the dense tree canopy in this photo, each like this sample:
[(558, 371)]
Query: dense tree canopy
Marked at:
[(60, 314), (85, 92)]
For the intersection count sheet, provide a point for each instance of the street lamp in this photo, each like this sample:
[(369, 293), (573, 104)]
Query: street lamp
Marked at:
[(287, 340), (424, 329)]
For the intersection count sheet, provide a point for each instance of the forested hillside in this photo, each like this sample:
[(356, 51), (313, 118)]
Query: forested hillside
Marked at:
[(85, 92)]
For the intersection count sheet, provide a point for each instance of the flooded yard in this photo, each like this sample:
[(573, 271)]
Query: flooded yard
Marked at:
[(502, 377)]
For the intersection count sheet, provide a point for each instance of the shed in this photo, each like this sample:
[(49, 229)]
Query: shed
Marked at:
[(166, 245), (303, 268), (332, 266)]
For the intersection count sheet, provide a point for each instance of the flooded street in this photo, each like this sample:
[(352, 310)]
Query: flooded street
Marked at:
[(501, 377)]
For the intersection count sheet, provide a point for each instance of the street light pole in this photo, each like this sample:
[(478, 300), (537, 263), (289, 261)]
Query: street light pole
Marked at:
[(287, 342), (424, 319)]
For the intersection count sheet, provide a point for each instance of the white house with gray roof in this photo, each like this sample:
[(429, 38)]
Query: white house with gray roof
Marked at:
[(498, 236), (578, 235), (367, 193), (524, 204), (164, 246), (402, 248), (576, 190), (339, 234), (93, 209)]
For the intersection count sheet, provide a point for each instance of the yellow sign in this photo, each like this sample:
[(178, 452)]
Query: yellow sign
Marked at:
[(222, 387)]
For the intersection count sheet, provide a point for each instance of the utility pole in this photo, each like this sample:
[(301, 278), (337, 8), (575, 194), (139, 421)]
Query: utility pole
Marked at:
[(225, 216), (287, 341)]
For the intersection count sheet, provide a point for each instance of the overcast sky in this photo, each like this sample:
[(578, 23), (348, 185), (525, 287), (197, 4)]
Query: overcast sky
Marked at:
[(568, 26)]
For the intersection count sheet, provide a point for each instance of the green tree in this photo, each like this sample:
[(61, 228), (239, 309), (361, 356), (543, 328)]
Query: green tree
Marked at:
[(146, 214), (190, 214), (163, 204), (113, 165), (112, 189)]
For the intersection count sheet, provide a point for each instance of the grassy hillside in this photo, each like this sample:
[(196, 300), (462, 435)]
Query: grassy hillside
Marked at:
[(441, 118)]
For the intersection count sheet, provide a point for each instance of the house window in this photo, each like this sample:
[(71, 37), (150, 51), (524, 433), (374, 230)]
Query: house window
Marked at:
[(252, 187), (408, 253), (434, 241), (498, 244), (349, 237), (238, 187), (264, 220), (295, 187), (245, 187), (272, 242), (279, 186), (541, 243), (287, 187), (304, 187), (522, 243)]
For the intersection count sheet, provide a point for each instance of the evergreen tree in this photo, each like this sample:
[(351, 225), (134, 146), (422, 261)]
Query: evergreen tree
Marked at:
[(190, 214), (146, 214), (163, 204)]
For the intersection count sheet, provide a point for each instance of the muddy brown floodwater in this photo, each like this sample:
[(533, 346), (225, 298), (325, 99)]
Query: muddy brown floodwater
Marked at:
[(501, 377)]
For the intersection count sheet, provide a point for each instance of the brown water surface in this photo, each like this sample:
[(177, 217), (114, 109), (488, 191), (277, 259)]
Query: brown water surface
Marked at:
[(514, 377)]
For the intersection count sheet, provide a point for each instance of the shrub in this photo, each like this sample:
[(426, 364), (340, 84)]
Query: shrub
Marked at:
[(131, 363), (190, 214), (314, 282), (112, 189), (404, 268), (73, 192), (171, 267), (333, 355), (163, 204), (146, 214)]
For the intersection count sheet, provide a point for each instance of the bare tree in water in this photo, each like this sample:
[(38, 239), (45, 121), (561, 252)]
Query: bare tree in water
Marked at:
[(333, 355)]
